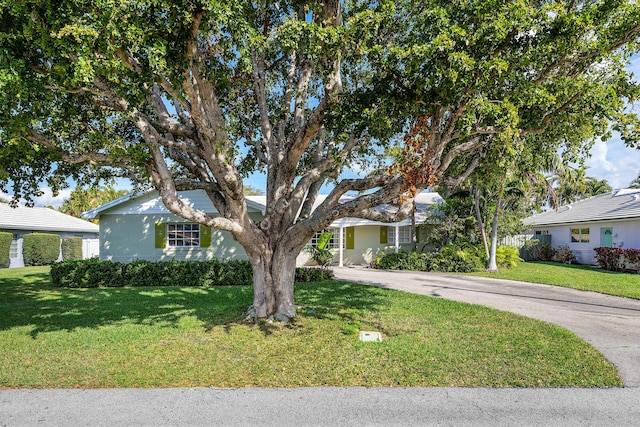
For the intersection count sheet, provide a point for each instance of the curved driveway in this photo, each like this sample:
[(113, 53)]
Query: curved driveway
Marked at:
[(611, 324)]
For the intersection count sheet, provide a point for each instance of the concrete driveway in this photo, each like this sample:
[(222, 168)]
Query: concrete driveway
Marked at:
[(611, 324)]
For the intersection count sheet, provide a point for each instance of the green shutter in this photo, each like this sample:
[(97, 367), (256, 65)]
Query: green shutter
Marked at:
[(205, 236), (161, 235), (351, 238), (384, 234)]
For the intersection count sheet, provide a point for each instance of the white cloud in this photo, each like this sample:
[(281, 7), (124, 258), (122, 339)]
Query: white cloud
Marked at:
[(47, 198), (614, 161)]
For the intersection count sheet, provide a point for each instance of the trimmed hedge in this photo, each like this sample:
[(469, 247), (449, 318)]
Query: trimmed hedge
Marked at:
[(71, 248), (94, 273), (449, 259), (40, 249), (5, 248)]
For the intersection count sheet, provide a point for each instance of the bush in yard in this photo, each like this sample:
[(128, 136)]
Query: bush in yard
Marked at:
[(546, 253), (618, 259), (5, 248), (71, 248), (93, 273), (40, 249), (507, 256), (311, 274), (564, 255), (449, 259)]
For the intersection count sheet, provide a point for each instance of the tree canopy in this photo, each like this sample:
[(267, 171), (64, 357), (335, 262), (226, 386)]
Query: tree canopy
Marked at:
[(197, 94), (81, 200)]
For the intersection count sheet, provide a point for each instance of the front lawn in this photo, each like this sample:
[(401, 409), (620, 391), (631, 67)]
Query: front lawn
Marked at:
[(185, 336), (580, 277)]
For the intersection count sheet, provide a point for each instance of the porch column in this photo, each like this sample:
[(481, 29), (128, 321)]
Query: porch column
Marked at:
[(397, 231), (340, 245)]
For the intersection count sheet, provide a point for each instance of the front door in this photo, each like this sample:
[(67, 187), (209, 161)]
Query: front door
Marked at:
[(606, 237)]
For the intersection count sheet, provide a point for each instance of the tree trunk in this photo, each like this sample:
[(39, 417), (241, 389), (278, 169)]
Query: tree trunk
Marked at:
[(273, 284), (483, 234), (493, 266)]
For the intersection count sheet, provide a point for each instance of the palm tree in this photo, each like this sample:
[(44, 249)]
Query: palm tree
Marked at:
[(635, 183)]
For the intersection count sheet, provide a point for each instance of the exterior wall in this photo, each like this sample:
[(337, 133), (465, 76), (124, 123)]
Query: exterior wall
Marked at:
[(366, 248), (126, 238), (626, 234)]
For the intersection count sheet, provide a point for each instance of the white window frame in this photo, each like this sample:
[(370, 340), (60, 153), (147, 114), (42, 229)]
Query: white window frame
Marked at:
[(404, 235), (185, 235), (334, 241), (583, 235)]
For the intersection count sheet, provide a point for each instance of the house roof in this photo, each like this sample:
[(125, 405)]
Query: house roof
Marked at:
[(149, 202), (42, 219), (621, 204)]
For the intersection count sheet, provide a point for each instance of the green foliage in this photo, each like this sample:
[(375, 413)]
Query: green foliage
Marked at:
[(5, 248), (320, 253), (81, 199), (449, 259), (95, 273), (40, 249), (507, 256), (71, 248), (310, 274)]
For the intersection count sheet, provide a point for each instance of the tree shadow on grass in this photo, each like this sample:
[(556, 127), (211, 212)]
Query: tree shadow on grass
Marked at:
[(32, 301)]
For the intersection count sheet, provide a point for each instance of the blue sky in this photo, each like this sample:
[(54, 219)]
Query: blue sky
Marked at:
[(610, 160)]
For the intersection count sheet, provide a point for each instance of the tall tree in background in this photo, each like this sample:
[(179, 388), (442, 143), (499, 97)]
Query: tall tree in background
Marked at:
[(81, 200), (197, 94)]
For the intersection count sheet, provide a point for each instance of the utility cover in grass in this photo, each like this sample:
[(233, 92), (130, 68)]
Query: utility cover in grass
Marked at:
[(368, 336)]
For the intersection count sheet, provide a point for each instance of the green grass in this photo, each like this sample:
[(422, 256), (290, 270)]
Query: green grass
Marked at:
[(580, 277), (173, 336)]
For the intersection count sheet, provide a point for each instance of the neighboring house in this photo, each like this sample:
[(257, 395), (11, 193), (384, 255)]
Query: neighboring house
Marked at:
[(139, 226), (23, 220), (607, 220)]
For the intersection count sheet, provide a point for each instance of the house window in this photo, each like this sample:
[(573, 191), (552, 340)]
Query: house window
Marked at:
[(580, 235), (404, 235), (334, 242), (183, 235)]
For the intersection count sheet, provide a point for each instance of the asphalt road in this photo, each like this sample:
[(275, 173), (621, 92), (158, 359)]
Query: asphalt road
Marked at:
[(611, 324), (321, 406)]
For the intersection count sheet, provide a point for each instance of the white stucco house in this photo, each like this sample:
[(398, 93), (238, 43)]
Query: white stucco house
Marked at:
[(607, 220), (23, 220), (139, 226)]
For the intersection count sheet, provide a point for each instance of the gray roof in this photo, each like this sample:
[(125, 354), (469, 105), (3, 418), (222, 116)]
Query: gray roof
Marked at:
[(42, 219), (621, 204), (150, 202)]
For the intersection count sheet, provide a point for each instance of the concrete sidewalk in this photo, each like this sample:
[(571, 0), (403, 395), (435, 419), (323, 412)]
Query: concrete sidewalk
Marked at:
[(611, 324)]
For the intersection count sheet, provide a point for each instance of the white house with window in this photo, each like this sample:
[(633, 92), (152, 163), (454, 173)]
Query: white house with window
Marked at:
[(607, 220), (139, 226)]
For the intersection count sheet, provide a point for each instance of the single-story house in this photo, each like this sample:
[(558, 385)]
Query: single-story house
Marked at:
[(139, 226), (606, 220), (23, 220)]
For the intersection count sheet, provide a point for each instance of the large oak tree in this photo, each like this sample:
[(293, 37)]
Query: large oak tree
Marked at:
[(197, 94)]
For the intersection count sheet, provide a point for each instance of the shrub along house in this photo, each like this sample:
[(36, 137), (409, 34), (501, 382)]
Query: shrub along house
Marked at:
[(139, 226), (23, 220), (608, 220)]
